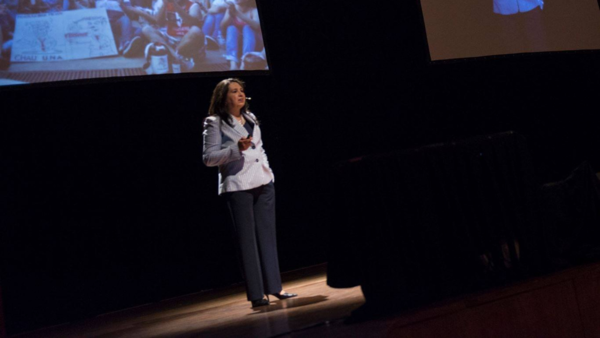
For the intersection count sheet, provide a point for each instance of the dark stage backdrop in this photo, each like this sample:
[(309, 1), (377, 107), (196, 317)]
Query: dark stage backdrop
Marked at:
[(106, 203)]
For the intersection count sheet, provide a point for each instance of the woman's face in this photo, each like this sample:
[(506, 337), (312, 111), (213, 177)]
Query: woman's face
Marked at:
[(236, 98)]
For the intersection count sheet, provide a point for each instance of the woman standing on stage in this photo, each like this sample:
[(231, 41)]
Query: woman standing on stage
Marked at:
[(232, 141)]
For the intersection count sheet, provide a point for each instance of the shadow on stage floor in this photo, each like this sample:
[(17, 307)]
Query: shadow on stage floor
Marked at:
[(563, 304)]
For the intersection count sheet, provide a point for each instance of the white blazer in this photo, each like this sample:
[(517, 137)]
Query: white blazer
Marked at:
[(238, 170)]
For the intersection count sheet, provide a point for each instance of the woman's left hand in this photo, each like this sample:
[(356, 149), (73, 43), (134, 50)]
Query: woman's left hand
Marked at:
[(232, 9), (245, 143)]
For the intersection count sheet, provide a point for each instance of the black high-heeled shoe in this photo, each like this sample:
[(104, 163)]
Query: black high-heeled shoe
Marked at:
[(284, 295), (260, 302)]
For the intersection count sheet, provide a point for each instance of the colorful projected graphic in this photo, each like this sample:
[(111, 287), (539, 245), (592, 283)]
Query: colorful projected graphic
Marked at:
[(63, 36), (54, 40)]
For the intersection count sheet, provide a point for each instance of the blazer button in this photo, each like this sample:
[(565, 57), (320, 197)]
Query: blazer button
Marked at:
[(256, 160)]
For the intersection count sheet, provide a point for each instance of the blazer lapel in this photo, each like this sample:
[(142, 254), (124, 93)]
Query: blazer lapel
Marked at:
[(237, 128), (256, 133)]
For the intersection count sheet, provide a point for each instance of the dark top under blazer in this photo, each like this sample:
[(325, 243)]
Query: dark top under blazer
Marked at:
[(238, 170)]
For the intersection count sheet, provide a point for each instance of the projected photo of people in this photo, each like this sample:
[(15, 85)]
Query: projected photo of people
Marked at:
[(520, 24), (8, 13), (474, 28), (57, 40)]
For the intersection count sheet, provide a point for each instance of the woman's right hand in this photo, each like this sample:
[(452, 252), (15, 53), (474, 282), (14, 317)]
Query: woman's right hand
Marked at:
[(231, 8), (244, 143)]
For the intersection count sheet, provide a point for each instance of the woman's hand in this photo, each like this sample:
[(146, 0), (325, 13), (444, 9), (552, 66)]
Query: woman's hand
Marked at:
[(231, 8), (244, 143), (122, 5), (202, 7)]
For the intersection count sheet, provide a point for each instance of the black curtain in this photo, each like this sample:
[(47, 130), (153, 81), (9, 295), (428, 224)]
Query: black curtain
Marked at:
[(570, 212), (434, 221)]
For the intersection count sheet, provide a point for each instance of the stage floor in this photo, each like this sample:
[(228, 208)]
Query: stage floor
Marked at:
[(224, 313), (559, 305)]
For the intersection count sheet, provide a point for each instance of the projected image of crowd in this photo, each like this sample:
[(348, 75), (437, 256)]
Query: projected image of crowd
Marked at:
[(479, 28), (152, 36)]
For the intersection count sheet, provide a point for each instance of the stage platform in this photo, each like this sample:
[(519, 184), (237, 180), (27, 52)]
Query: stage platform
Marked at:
[(564, 304)]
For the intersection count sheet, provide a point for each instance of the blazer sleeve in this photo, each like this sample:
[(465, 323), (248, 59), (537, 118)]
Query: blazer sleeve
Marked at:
[(212, 154), (264, 156)]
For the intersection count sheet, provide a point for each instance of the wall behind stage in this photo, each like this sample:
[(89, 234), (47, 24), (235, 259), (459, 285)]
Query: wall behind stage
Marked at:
[(106, 203)]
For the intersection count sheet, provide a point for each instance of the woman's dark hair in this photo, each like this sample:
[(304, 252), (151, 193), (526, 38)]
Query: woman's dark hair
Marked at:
[(218, 102)]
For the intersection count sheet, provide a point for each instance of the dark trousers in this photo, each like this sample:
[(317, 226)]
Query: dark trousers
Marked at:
[(253, 214)]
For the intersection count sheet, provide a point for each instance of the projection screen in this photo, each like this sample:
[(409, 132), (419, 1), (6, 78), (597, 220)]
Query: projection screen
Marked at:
[(57, 40), (475, 28)]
